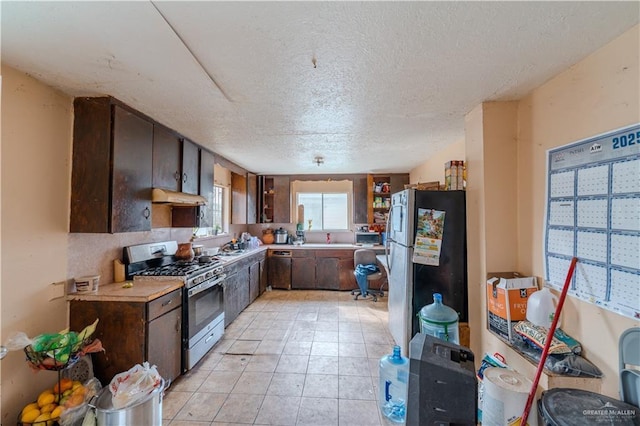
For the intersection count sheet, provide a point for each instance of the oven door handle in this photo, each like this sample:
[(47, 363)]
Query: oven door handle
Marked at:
[(205, 286)]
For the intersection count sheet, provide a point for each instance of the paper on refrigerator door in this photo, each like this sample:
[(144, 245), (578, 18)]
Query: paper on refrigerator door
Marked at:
[(428, 243)]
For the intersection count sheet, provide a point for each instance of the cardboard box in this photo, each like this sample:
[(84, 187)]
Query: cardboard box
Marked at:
[(507, 296)]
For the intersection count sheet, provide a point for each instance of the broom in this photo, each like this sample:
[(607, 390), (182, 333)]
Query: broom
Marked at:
[(547, 344)]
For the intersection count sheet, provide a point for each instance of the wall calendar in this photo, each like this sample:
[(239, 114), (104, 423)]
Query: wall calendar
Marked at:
[(593, 213)]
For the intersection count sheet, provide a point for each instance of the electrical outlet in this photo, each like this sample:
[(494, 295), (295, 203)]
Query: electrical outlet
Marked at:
[(57, 290)]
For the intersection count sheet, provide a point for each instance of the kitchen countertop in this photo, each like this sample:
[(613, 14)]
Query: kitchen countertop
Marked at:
[(142, 291), (146, 289), (322, 246)]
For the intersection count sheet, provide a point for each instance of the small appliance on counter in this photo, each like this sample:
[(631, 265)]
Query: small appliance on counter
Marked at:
[(368, 238), (281, 236)]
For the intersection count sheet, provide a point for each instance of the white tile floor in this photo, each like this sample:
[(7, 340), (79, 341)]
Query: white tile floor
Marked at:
[(291, 358)]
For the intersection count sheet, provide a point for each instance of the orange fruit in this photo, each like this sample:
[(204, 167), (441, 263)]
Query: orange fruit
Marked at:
[(74, 401), (64, 384)]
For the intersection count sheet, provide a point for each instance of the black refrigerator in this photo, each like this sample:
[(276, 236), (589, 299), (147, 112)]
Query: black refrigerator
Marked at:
[(426, 254)]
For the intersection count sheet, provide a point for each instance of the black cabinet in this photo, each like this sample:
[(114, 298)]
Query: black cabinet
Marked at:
[(112, 168)]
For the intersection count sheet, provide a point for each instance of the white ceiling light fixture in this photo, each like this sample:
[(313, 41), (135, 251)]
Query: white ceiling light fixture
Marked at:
[(318, 160)]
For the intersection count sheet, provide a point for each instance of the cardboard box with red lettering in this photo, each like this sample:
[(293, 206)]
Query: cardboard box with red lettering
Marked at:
[(507, 296)]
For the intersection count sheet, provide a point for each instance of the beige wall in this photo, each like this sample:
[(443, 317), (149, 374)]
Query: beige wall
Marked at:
[(36, 153), (36, 247), (598, 94), (432, 170)]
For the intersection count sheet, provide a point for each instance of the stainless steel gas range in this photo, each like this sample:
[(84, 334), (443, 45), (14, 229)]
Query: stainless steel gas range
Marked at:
[(203, 302)]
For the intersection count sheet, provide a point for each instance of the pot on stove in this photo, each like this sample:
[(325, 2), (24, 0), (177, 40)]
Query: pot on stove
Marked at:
[(185, 252), (281, 236)]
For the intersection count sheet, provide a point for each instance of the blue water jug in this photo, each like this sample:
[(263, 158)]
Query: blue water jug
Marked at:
[(439, 320), (394, 384)]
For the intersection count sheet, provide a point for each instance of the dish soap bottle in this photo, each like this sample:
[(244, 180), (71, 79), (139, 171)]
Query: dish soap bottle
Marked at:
[(394, 385)]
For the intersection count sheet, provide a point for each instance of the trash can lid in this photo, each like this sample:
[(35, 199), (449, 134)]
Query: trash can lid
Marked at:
[(577, 407)]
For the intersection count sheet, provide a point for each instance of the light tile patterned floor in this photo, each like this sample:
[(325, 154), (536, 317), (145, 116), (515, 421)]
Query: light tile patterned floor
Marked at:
[(291, 358)]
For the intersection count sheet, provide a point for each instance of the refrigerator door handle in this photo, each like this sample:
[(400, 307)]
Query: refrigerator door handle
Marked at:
[(387, 240)]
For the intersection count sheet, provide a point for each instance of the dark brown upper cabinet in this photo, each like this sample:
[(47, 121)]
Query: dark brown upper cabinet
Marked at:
[(252, 198), (238, 199), (275, 200), (207, 161), (175, 161), (112, 168)]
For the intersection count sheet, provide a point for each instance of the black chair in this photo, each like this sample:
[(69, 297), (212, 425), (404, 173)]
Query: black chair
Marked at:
[(367, 257)]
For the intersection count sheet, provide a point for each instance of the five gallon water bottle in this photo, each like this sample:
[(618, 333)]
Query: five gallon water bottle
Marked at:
[(394, 384), (439, 320)]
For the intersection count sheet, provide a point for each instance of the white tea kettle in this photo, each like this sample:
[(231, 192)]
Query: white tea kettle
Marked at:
[(541, 307)]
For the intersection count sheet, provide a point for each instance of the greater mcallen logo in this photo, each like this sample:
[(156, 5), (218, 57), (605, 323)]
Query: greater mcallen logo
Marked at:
[(610, 411), (596, 147)]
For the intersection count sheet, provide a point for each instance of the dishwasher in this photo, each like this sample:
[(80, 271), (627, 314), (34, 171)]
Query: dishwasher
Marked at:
[(279, 267)]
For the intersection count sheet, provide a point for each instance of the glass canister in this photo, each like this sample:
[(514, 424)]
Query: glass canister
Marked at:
[(439, 320)]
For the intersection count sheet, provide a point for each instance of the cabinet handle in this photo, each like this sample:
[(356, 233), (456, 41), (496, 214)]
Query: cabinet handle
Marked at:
[(178, 324), (168, 302), (146, 213), (184, 178), (201, 213), (176, 176)]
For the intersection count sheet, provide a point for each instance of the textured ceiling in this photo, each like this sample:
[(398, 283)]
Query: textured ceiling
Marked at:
[(369, 86)]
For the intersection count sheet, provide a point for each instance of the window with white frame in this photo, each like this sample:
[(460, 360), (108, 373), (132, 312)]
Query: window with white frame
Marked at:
[(218, 209), (326, 204)]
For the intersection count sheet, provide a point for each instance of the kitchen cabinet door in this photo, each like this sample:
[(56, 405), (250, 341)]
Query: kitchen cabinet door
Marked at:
[(280, 272), (207, 161), (303, 272), (282, 199), (238, 199), (131, 194), (252, 199), (327, 273), (264, 278), (231, 295), (175, 161), (243, 288), (164, 343), (190, 166), (167, 169), (112, 168), (360, 200), (346, 279), (254, 280)]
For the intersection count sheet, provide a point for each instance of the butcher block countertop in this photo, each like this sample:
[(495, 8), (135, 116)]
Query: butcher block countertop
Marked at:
[(141, 291)]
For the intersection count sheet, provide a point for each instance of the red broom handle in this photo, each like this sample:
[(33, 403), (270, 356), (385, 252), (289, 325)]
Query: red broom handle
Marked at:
[(547, 344)]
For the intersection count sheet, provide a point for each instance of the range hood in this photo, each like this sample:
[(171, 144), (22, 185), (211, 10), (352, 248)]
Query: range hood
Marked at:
[(165, 196)]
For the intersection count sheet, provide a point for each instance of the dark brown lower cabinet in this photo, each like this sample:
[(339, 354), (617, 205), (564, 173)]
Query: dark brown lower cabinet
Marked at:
[(303, 269), (280, 272), (254, 281), (132, 333), (327, 274)]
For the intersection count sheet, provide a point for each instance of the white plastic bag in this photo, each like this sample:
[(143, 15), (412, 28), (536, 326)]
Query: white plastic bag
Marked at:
[(131, 386)]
